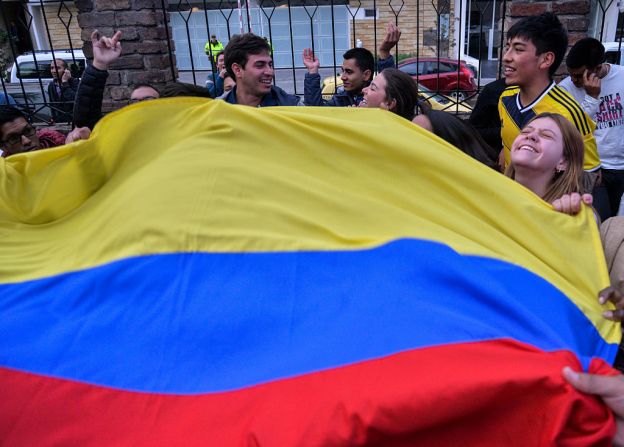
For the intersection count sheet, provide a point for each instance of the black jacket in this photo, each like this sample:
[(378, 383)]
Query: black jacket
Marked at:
[(88, 104), (62, 103), (484, 117), (276, 97)]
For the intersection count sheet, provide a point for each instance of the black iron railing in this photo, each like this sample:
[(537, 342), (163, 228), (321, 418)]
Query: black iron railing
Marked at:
[(450, 40), (38, 33)]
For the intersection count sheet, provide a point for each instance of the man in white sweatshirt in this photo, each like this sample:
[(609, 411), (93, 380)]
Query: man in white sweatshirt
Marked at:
[(599, 88)]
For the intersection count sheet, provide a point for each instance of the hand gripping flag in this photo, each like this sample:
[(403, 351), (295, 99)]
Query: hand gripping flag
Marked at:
[(204, 274)]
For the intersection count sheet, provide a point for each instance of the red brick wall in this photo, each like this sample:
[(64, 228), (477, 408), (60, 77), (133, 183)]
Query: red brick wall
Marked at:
[(145, 55), (573, 14)]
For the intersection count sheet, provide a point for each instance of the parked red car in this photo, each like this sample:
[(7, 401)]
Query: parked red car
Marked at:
[(441, 75)]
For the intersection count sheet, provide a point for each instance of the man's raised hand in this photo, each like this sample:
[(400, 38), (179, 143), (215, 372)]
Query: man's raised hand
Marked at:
[(310, 61), (591, 84), (106, 50), (393, 35)]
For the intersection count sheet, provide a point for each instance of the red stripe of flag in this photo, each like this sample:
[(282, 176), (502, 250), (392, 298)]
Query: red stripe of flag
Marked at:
[(497, 393)]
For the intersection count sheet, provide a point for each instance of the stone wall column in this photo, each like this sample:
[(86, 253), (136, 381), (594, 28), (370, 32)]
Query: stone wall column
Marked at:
[(145, 47)]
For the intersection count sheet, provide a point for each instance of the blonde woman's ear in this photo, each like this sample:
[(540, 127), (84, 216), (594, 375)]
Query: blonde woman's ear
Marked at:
[(562, 166)]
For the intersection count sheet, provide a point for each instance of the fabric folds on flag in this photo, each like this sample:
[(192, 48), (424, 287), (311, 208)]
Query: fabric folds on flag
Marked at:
[(205, 274)]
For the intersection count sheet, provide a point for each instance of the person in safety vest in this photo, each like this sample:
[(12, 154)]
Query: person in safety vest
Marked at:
[(213, 48)]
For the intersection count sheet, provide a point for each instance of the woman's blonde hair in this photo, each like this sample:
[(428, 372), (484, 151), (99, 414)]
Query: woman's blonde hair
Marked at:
[(570, 179)]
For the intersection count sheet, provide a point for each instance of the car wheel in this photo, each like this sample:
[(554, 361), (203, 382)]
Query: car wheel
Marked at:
[(457, 96)]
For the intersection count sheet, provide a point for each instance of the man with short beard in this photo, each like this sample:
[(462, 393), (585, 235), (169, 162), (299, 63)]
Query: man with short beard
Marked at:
[(62, 91)]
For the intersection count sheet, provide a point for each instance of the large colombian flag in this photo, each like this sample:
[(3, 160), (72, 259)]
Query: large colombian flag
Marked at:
[(203, 274)]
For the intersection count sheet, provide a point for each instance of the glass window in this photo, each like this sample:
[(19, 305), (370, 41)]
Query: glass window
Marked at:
[(410, 69), (28, 70), (441, 67), (613, 57), (414, 68)]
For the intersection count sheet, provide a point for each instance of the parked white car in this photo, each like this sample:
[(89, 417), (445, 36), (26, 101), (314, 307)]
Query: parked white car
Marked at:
[(614, 52), (30, 67)]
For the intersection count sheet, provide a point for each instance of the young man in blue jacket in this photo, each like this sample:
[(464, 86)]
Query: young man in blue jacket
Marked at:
[(358, 68)]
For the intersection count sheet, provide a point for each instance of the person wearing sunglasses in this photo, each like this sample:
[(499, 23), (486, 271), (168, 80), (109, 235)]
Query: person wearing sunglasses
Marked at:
[(17, 135)]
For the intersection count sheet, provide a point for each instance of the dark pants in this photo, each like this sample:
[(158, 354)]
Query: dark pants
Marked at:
[(608, 193)]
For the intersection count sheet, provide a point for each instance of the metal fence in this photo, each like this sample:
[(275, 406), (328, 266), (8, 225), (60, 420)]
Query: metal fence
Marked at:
[(333, 27), (32, 36), (445, 43)]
